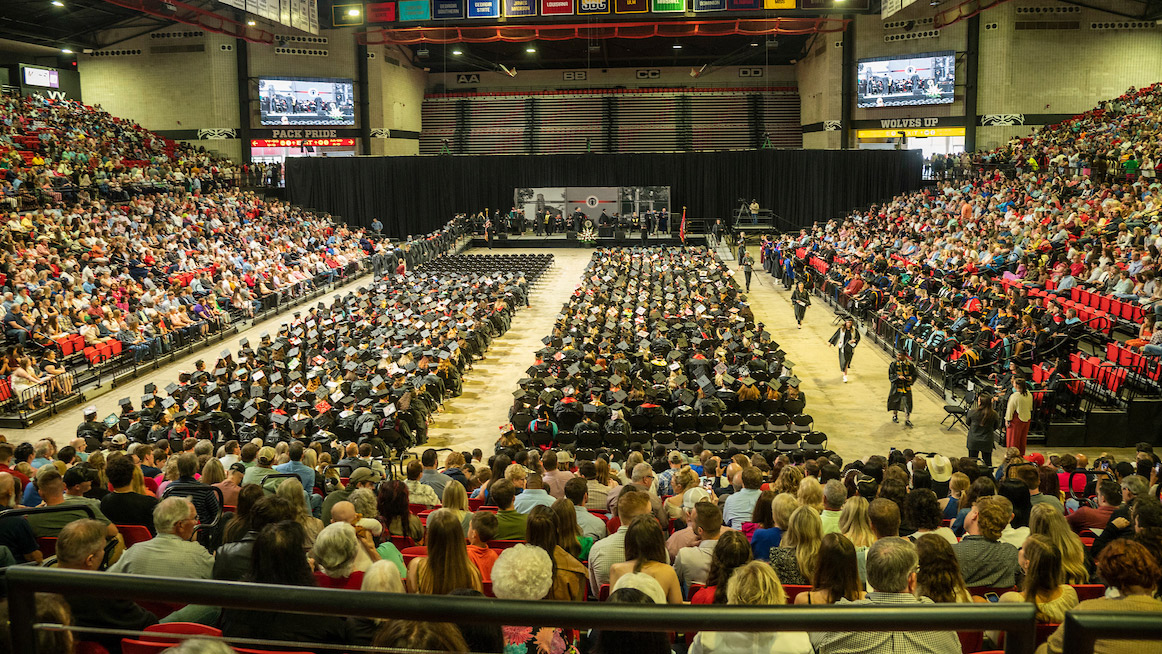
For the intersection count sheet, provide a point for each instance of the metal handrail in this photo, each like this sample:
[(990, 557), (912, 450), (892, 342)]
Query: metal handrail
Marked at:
[(1082, 629), (1016, 619)]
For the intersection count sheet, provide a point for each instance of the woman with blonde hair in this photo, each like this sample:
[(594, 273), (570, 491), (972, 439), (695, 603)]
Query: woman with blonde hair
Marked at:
[(795, 557), (1046, 520), (446, 566), (212, 472), (811, 493), (1044, 586), (950, 505), (291, 490), (682, 481), (854, 523), (753, 584), (788, 481), (455, 500)]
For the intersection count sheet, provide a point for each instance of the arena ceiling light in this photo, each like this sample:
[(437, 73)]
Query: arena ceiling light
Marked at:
[(457, 52), (57, 3), (66, 51), (532, 49), (251, 23)]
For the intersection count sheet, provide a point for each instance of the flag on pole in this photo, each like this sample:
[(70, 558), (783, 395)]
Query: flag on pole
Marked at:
[(682, 228)]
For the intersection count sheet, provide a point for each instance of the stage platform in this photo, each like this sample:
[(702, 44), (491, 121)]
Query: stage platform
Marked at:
[(562, 241)]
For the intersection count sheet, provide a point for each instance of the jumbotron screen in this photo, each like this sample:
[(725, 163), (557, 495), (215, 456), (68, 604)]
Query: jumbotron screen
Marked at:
[(927, 78), (306, 101)]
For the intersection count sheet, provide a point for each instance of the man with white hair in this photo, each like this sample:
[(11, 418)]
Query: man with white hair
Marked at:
[(642, 478), (891, 577), (170, 553)]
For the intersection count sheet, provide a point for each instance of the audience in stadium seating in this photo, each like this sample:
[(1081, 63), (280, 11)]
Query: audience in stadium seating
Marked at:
[(170, 553)]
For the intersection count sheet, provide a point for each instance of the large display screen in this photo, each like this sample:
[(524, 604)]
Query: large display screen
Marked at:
[(306, 101), (45, 77), (926, 78)]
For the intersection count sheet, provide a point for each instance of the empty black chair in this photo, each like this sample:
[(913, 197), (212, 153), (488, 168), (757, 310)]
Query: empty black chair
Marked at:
[(741, 440), (764, 441), (639, 438), (714, 441), (590, 439), (685, 421), (709, 422), (688, 440), (755, 421), (666, 439), (802, 423), (788, 442), (566, 440), (958, 412), (731, 422), (779, 422), (815, 442)]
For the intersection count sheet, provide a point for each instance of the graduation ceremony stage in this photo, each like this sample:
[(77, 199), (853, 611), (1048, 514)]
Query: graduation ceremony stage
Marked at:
[(630, 239)]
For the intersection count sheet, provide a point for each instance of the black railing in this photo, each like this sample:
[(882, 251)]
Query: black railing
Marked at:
[(1017, 620), (1083, 629)]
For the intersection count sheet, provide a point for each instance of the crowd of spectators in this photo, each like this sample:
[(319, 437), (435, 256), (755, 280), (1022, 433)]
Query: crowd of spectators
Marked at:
[(902, 529), (959, 270), (116, 234)]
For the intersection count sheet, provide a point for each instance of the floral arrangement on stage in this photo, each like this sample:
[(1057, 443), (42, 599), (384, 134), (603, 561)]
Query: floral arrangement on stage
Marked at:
[(587, 236)]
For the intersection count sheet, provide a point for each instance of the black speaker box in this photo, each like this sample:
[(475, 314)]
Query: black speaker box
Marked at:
[(571, 235), (1108, 429), (502, 236), (619, 234), (1065, 434), (1145, 418)]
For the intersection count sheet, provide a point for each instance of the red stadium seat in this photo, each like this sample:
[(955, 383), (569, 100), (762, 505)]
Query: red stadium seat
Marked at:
[(189, 628), (503, 544), (1089, 591), (134, 534)]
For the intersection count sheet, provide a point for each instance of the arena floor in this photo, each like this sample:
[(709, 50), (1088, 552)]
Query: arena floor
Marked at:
[(853, 415)]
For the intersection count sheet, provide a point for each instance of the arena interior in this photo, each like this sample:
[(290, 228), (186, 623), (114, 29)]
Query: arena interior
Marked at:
[(442, 325)]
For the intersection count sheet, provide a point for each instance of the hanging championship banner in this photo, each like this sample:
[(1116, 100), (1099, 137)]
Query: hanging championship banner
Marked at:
[(630, 6), (709, 5), (556, 7), (592, 7), (415, 10), (484, 8), (520, 8), (448, 9), (668, 6)]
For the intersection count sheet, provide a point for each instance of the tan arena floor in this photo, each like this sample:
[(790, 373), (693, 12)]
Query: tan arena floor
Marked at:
[(853, 415)]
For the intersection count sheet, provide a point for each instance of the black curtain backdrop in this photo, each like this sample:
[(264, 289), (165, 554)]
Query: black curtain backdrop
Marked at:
[(415, 195)]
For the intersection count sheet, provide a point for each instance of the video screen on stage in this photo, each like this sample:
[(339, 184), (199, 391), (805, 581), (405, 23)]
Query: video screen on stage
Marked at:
[(927, 78), (592, 207), (45, 77), (306, 101)]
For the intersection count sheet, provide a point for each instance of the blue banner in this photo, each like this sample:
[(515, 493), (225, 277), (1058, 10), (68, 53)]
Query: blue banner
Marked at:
[(448, 9), (484, 8), (709, 5)]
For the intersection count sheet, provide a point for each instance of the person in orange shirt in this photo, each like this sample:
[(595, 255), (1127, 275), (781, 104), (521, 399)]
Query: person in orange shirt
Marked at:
[(482, 529)]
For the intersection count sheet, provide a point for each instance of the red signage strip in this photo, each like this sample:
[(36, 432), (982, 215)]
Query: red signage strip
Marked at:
[(298, 143)]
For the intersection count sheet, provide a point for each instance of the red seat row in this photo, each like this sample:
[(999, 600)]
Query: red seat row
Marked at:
[(1123, 356), (1130, 311)]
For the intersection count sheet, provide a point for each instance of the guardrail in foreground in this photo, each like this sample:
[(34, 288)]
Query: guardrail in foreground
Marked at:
[(1017, 620)]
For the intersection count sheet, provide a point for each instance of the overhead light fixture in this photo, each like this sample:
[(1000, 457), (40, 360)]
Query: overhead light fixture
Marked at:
[(251, 23), (57, 3), (352, 12), (754, 44), (677, 46), (423, 52), (531, 50), (66, 51), (457, 52)]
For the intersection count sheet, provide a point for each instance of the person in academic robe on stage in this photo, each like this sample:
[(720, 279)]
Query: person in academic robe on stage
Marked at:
[(645, 227), (902, 374), (845, 338), (800, 300), (488, 232)]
